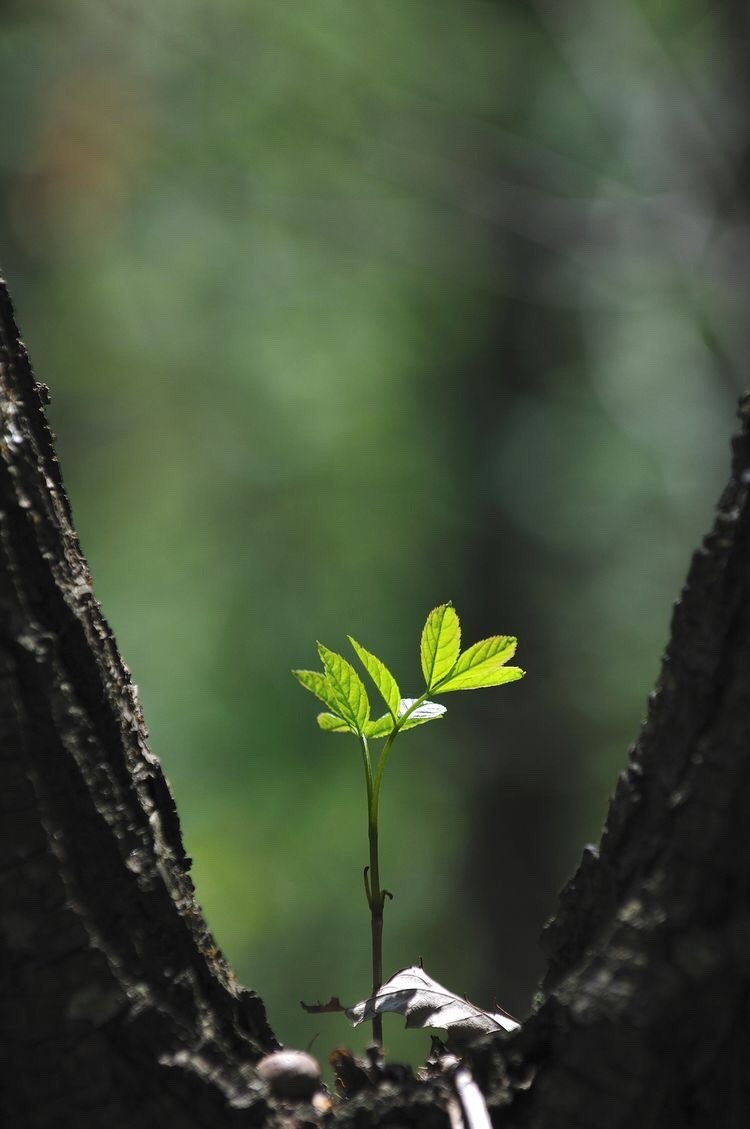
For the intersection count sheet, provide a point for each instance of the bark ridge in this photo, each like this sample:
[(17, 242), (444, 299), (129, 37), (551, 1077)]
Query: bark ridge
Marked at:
[(114, 1000)]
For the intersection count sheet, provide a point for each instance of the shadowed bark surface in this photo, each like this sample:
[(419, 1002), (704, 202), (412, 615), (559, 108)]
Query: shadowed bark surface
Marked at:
[(645, 1020), (116, 1008)]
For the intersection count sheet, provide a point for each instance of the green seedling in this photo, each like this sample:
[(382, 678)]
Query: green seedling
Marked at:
[(445, 668)]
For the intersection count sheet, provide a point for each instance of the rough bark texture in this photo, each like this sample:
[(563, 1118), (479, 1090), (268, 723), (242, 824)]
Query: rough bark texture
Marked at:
[(117, 1010), (646, 1019), (115, 1007)]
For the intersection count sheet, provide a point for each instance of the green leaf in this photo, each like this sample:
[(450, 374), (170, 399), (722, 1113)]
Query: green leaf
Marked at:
[(441, 640), (350, 695), (383, 726), (330, 723), (318, 685), (476, 680), (486, 655), (428, 711), (386, 684), (483, 665)]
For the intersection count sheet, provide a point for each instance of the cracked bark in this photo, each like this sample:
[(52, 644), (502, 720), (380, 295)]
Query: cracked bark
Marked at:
[(117, 1009), (645, 1020)]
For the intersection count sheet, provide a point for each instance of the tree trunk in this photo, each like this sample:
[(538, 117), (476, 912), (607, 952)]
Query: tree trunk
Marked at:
[(116, 1009)]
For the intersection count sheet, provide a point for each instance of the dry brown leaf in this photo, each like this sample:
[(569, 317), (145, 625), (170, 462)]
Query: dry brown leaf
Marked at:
[(425, 1003)]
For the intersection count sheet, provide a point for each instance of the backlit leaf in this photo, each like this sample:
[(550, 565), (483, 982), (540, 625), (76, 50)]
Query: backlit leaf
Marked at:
[(381, 676), (428, 711), (330, 723), (483, 664), (318, 685), (440, 644), (481, 680), (380, 727), (425, 1003), (496, 649), (348, 689)]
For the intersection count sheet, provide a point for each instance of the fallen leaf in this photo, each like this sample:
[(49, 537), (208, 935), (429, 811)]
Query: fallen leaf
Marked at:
[(333, 1004), (425, 1003)]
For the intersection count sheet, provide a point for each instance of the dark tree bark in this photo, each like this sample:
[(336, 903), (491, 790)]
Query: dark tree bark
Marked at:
[(116, 1008), (645, 1021)]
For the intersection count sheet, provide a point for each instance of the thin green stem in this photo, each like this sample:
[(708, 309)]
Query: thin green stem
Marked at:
[(376, 930), (375, 895), (368, 771)]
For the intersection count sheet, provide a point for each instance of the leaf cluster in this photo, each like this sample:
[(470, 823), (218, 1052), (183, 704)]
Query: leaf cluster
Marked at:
[(444, 667)]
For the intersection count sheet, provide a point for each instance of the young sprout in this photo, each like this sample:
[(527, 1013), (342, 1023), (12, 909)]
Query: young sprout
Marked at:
[(342, 692)]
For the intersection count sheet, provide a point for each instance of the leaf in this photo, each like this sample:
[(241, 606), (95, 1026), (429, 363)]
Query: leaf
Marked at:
[(348, 690), (496, 649), (483, 664), (425, 1003), (383, 726), (334, 1004), (380, 727), (318, 685), (478, 680), (330, 723), (386, 684), (474, 680), (428, 711), (440, 644)]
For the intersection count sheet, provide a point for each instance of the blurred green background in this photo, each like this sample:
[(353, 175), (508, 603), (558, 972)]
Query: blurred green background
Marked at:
[(348, 309)]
